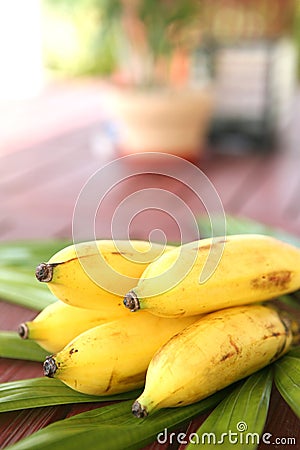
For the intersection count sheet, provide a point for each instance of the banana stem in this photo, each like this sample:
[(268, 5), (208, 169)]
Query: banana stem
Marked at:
[(44, 272), (131, 301), (49, 367), (138, 410), (23, 331)]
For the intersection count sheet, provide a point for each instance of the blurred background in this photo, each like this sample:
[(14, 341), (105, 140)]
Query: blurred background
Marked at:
[(85, 81)]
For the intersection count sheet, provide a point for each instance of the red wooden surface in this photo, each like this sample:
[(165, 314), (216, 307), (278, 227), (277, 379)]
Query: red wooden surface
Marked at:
[(41, 177)]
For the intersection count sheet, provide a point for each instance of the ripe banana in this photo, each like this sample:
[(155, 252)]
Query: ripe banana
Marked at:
[(55, 326), (252, 268), (97, 274), (212, 353), (113, 357)]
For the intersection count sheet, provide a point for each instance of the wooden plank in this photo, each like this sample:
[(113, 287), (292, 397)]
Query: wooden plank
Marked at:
[(17, 425), (230, 176), (275, 200), (12, 315)]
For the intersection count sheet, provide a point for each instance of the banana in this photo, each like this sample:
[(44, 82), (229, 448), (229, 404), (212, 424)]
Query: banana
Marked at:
[(57, 324), (212, 353), (251, 268), (113, 357), (97, 274)]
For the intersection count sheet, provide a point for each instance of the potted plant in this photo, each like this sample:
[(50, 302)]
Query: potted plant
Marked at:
[(158, 105)]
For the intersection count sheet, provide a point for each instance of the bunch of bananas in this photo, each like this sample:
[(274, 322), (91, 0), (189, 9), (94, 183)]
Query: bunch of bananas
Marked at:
[(187, 338)]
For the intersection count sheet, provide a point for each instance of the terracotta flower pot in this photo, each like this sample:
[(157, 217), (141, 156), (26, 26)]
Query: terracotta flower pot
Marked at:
[(169, 121)]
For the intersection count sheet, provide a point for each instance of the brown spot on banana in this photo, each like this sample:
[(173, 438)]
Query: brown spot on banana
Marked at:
[(109, 382), (73, 350), (234, 345), (204, 247), (227, 355), (279, 279), (236, 350), (273, 334), (212, 244), (122, 253)]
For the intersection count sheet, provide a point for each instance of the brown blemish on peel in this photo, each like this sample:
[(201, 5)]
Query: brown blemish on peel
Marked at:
[(227, 355), (279, 279), (73, 350), (234, 345), (236, 350), (110, 382), (121, 253), (273, 334), (203, 247), (211, 245)]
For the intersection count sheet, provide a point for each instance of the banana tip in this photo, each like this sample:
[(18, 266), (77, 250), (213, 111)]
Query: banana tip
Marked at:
[(44, 272), (131, 301), (138, 410), (49, 367), (23, 331)]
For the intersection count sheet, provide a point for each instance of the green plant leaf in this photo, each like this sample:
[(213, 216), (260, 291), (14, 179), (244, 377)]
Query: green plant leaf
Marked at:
[(24, 291), (295, 352), (112, 427), (287, 379), (28, 254), (12, 346), (36, 392), (18, 261), (243, 412), (291, 300), (19, 285)]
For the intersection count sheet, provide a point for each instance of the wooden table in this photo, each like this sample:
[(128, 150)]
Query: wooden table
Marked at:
[(41, 178)]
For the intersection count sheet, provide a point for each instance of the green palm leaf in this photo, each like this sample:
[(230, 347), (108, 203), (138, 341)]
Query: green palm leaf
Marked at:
[(292, 300), (18, 261), (12, 346), (22, 289), (295, 352), (37, 392), (112, 427), (243, 412), (28, 254), (287, 379)]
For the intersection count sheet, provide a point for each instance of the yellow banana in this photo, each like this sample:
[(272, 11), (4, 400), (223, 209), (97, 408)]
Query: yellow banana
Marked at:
[(55, 326), (212, 353), (113, 357), (97, 274), (252, 268)]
